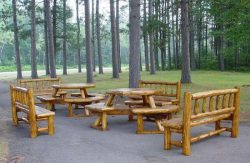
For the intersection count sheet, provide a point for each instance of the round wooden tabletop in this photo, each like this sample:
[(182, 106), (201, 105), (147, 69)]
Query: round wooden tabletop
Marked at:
[(74, 86), (133, 91)]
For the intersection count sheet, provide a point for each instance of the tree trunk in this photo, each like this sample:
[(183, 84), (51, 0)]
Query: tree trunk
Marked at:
[(98, 35), (64, 40), (151, 40), (50, 40), (173, 33), (93, 33), (18, 62), (114, 41), (191, 45), (169, 35), (33, 41), (145, 35), (177, 35), (54, 27), (78, 38), (134, 44), (118, 35), (156, 37), (185, 74), (89, 52), (47, 72)]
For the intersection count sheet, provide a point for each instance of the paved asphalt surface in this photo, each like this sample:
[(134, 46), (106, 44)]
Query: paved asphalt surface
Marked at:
[(74, 141)]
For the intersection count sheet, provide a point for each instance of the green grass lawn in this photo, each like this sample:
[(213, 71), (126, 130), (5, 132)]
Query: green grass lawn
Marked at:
[(201, 81)]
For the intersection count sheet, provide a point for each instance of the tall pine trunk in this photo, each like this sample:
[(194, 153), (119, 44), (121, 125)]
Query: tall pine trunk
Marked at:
[(98, 36), (50, 40), (64, 40), (185, 74), (145, 35), (118, 34), (54, 27), (17, 50), (114, 41), (134, 43), (78, 37), (167, 10), (89, 52), (47, 71), (33, 40), (93, 32), (151, 39)]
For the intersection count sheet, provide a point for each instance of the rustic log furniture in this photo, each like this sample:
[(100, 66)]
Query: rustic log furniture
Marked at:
[(170, 93), (109, 108), (22, 100), (83, 99), (215, 106)]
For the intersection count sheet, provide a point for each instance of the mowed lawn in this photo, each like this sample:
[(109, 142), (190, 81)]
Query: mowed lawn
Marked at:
[(201, 81)]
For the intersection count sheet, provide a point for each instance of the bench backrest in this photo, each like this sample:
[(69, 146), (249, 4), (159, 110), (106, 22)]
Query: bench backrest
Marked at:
[(39, 86), (168, 89), (22, 99), (210, 104)]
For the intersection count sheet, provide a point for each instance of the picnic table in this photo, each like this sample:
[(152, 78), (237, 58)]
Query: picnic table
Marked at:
[(81, 86), (108, 108), (83, 99)]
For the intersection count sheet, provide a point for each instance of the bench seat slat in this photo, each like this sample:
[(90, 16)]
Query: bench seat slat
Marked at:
[(158, 110)]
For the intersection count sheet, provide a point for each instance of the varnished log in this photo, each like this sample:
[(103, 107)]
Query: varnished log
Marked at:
[(235, 118)]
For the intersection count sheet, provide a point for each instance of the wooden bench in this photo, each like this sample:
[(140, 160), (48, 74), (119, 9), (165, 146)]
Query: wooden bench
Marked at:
[(41, 86), (158, 114), (203, 108), (22, 100), (170, 93)]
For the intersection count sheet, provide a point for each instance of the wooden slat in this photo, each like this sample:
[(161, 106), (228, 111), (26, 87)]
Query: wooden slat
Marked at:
[(209, 120), (213, 113), (213, 93), (206, 135)]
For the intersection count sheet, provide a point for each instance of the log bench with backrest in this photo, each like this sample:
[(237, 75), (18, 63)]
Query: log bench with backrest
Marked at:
[(203, 108), (42, 88), (170, 93), (22, 100)]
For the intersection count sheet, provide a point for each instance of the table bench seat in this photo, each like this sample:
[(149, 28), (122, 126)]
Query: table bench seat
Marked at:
[(81, 101), (158, 113)]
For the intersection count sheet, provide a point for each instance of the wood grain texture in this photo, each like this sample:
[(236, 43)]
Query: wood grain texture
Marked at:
[(217, 105)]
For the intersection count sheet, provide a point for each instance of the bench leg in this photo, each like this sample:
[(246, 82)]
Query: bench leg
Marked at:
[(14, 117), (140, 124), (217, 125), (130, 117), (51, 125), (167, 139), (158, 124), (70, 110), (104, 121), (186, 142), (33, 129)]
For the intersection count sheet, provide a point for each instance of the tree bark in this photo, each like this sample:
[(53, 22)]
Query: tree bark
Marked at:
[(134, 44), (33, 40), (151, 40), (185, 74), (118, 35), (17, 50), (78, 38), (89, 52), (145, 35), (47, 71), (98, 35), (64, 40), (50, 40), (169, 35), (93, 32), (191, 47), (114, 41), (54, 27)]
